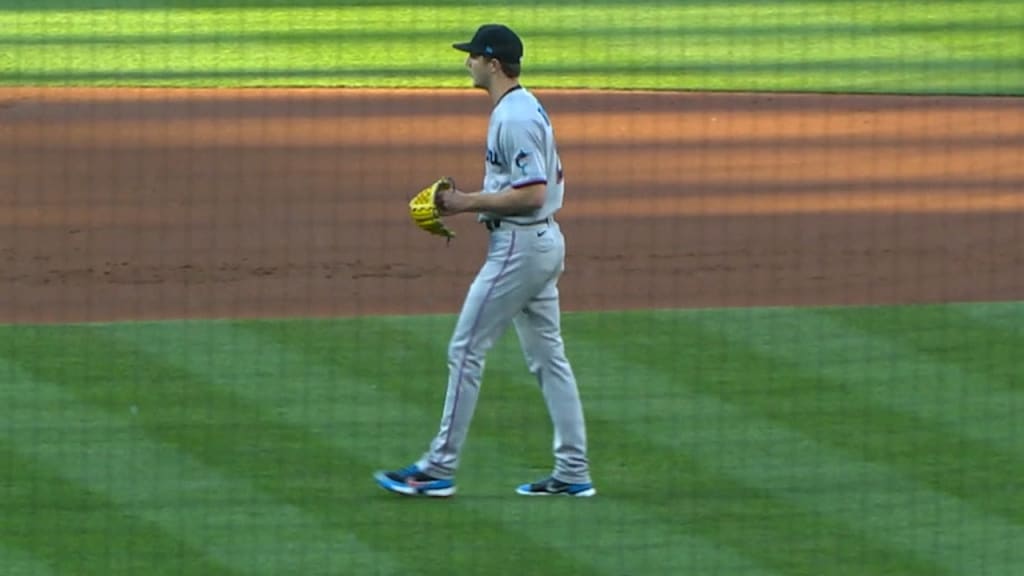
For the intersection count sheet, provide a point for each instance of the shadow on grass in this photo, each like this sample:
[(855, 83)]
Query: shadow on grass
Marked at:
[(446, 36), (69, 5), (837, 67)]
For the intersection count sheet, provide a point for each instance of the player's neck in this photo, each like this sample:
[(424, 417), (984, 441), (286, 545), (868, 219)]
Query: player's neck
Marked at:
[(500, 87)]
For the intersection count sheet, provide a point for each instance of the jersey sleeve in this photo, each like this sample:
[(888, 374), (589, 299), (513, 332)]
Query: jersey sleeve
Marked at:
[(522, 145)]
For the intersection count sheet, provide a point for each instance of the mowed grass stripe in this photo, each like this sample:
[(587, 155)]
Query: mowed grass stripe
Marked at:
[(72, 529), (951, 338), (749, 480), (208, 480), (631, 464), (946, 427), (1002, 322), (372, 421), (319, 465), (764, 45), (17, 562), (1007, 316), (751, 423), (845, 438), (166, 486), (340, 379)]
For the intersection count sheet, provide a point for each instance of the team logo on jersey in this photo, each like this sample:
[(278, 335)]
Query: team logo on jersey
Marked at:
[(522, 159), (492, 158)]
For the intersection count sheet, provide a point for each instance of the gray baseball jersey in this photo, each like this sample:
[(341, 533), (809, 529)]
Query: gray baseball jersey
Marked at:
[(521, 151), (516, 286)]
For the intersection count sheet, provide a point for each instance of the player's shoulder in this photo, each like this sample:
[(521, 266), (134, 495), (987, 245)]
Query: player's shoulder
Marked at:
[(523, 99), (520, 108)]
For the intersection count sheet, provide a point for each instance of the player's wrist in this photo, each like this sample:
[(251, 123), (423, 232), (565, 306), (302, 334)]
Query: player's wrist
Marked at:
[(475, 202)]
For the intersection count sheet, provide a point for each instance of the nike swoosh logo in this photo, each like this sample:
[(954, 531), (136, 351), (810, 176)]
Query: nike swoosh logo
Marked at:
[(541, 233)]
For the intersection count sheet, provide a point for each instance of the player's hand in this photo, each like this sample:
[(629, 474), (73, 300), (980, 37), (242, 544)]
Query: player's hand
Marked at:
[(453, 202)]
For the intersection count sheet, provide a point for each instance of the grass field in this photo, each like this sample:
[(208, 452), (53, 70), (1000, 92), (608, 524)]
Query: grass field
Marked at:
[(969, 46), (755, 442)]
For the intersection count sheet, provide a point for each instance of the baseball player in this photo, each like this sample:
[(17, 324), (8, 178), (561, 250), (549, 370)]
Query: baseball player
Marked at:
[(517, 284)]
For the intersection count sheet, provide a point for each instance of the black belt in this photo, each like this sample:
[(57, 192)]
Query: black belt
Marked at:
[(493, 225)]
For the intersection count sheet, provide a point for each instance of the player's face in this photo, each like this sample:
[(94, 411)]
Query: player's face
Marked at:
[(480, 70)]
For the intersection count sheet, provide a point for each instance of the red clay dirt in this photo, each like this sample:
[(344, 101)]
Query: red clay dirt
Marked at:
[(153, 204)]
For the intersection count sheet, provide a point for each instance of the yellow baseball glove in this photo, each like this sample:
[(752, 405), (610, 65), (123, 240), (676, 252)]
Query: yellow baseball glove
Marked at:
[(425, 211)]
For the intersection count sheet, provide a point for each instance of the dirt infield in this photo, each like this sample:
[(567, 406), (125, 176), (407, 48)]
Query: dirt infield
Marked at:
[(148, 204)]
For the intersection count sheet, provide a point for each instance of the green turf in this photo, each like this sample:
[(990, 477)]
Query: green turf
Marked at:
[(747, 441), (968, 46)]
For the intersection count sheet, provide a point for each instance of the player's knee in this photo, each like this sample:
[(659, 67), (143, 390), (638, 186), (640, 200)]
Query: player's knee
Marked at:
[(539, 360), (533, 366), (460, 354)]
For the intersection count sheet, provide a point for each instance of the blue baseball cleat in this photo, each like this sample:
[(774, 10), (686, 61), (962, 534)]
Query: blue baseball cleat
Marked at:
[(551, 487), (411, 481)]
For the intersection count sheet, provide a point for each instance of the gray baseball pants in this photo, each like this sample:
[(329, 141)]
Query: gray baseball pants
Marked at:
[(517, 285)]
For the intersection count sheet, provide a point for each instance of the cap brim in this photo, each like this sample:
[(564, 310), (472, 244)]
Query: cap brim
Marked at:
[(463, 46)]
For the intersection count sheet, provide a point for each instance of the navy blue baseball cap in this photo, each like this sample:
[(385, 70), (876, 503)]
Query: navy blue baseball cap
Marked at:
[(494, 41)]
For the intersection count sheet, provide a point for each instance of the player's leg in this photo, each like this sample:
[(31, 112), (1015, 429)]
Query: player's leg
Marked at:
[(486, 313), (540, 336), (507, 280)]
